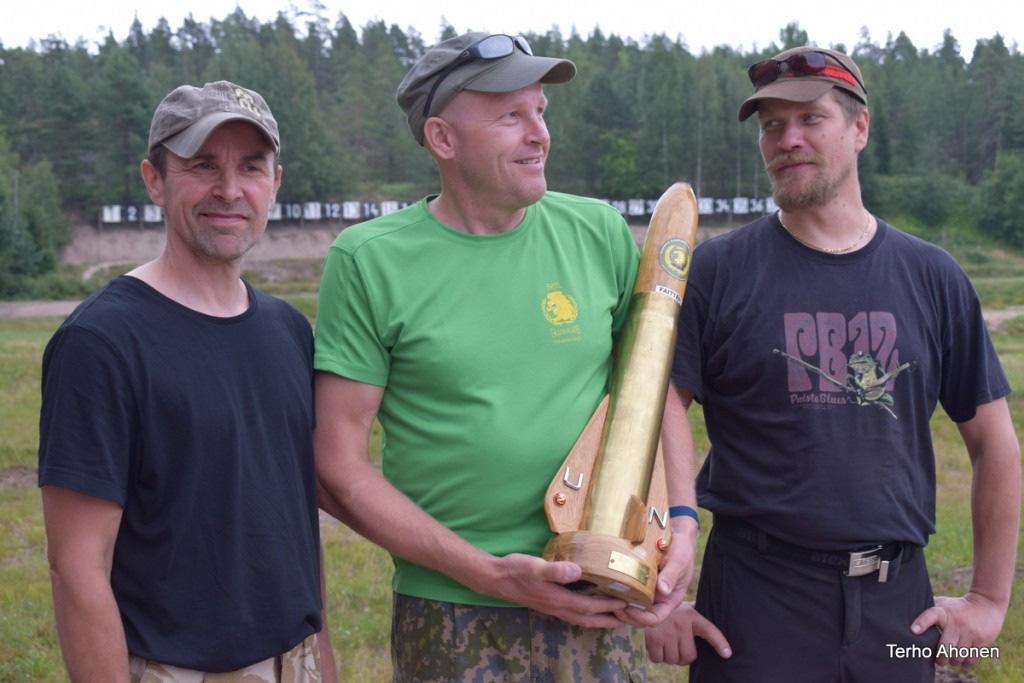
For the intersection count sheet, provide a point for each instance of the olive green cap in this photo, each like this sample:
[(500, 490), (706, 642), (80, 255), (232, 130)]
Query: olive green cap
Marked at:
[(504, 74), (187, 115)]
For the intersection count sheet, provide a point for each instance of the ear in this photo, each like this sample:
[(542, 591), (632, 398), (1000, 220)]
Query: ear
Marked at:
[(862, 128), (439, 137), (278, 174), (154, 183)]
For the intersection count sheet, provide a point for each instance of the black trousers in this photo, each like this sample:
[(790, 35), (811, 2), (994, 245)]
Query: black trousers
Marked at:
[(792, 621)]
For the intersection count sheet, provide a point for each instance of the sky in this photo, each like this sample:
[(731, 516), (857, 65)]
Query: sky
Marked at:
[(702, 25)]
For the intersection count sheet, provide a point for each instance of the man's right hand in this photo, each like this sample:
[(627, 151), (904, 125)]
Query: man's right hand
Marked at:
[(673, 640), (538, 584)]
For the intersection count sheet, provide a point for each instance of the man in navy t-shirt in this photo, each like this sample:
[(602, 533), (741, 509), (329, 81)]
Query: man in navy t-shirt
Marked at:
[(175, 454), (819, 340)]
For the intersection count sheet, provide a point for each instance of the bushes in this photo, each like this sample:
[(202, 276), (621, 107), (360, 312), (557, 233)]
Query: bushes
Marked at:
[(31, 223), (1001, 210), (54, 285), (933, 199)]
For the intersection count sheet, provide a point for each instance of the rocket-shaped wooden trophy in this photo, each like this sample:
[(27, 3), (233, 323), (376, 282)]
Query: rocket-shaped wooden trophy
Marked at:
[(608, 505)]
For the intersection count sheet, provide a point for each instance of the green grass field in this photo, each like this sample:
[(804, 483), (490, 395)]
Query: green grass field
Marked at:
[(358, 572)]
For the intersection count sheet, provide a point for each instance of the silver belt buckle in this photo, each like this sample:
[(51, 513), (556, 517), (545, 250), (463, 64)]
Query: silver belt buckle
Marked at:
[(867, 562)]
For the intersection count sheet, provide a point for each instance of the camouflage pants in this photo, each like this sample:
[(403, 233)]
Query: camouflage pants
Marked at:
[(444, 642), (301, 664)]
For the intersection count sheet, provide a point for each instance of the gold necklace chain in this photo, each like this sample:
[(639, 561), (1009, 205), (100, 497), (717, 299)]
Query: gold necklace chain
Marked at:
[(840, 250)]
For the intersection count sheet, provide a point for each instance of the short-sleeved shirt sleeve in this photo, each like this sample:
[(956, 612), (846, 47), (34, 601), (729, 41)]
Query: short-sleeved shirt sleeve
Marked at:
[(86, 421), (686, 367), (971, 372), (348, 338)]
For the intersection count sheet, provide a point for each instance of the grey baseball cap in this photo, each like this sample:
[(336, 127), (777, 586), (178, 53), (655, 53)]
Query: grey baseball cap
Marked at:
[(504, 74), (186, 117), (796, 86)]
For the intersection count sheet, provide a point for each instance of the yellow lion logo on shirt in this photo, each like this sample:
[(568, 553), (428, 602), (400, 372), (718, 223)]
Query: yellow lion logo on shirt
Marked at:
[(559, 308)]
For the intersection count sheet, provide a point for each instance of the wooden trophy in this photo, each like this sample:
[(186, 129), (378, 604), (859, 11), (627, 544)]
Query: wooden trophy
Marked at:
[(608, 504)]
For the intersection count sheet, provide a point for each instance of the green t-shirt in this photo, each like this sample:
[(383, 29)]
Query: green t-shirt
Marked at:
[(493, 351)]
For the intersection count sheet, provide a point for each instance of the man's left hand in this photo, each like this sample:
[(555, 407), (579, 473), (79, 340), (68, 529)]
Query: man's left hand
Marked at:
[(673, 577), (970, 621)]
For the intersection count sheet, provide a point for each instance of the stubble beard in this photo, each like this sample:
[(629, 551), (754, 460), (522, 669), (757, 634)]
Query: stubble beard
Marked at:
[(529, 190), (207, 245), (208, 241), (791, 195), (516, 196)]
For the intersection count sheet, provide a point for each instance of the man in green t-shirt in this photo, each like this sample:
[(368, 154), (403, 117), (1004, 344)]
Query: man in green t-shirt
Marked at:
[(478, 326)]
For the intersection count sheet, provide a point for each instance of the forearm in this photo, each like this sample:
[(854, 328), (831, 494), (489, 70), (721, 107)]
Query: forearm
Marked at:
[(995, 499), (676, 570), (81, 532), (976, 619), (328, 668), (374, 508), (677, 441), (89, 627), (995, 508), (355, 491)]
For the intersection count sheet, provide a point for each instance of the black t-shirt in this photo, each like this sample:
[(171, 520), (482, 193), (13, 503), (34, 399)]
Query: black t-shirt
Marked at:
[(818, 375), (200, 428)]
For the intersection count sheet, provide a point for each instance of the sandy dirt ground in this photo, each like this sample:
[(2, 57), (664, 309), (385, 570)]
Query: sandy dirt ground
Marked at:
[(93, 247), (99, 249), (995, 318)]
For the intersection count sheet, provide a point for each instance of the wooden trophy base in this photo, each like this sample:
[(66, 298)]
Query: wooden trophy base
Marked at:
[(613, 566)]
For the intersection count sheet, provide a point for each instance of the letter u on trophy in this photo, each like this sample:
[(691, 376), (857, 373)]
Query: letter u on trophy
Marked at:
[(608, 504)]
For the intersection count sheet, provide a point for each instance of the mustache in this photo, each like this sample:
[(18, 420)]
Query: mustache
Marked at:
[(214, 206), (789, 159)]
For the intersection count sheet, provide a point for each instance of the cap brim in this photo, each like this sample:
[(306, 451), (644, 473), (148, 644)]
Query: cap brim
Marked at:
[(519, 71), (188, 142), (804, 89)]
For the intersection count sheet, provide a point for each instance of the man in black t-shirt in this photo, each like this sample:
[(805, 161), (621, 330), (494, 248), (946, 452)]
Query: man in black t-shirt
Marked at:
[(819, 341), (175, 455)]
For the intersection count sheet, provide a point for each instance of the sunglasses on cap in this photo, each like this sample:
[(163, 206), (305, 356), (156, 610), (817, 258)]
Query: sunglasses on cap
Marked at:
[(802, 64), (492, 47)]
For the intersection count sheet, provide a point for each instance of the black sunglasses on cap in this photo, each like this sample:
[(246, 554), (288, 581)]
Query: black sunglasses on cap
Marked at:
[(802, 64), (492, 47)]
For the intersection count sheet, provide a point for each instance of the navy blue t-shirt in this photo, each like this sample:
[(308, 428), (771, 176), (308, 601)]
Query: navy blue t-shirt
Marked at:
[(200, 428), (818, 375)]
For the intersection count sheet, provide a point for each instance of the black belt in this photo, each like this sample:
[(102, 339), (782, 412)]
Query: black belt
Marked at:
[(881, 557)]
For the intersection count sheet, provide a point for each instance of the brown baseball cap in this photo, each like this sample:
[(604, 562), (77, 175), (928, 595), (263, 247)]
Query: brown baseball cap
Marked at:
[(518, 69), (803, 74), (186, 117)]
